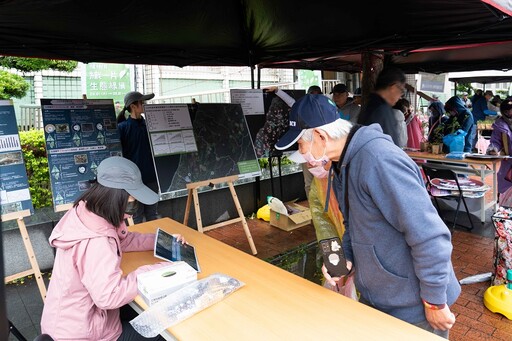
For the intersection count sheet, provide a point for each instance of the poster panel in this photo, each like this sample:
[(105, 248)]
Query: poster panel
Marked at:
[(196, 143), (79, 134), (14, 187)]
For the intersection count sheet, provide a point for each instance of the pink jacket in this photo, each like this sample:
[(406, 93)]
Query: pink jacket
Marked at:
[(87, 285)]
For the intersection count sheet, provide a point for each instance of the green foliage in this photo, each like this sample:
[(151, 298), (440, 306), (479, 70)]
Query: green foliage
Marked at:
[(12, 85), (265, 165), (36, 64), (465, 87), (438, 134), (34, 153)]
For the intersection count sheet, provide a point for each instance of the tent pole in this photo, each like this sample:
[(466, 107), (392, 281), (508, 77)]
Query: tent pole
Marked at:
[(259, 77), (252, 77)]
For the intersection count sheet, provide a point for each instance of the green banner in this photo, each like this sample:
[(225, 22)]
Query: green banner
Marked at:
[(105, 81)]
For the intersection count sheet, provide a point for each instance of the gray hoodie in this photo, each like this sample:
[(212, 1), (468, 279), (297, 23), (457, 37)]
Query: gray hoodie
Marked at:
[(400, 247)]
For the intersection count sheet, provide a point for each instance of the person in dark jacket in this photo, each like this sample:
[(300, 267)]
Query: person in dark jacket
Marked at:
[(389, 88), (436, 120), (460, 118), (135, 145), (394, 238)]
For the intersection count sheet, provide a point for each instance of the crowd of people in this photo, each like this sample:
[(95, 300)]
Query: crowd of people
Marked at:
[(399, 259)]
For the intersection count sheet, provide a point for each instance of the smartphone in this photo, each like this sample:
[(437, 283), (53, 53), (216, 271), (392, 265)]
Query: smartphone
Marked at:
[(334, 258)]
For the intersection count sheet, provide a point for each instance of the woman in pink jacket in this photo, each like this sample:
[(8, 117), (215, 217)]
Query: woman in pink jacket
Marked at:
[(87, 287)]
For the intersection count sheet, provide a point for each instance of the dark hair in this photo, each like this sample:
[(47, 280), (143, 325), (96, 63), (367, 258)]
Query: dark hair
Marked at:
[(108, 203), (389, 76), (402, 104)]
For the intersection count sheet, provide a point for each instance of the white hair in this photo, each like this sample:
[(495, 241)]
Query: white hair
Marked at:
[(336, 130)]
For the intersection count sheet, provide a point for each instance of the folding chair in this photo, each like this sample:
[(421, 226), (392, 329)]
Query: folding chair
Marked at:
[(437, 171)]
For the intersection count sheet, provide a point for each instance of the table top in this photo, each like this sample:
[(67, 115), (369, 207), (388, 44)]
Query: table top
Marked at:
[(442, 157), (273, 304)]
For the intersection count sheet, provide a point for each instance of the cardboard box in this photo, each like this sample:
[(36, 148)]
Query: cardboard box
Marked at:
[(157, 284), (299, 217)]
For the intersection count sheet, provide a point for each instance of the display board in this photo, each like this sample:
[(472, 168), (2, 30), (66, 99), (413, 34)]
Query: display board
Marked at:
[(14, 187), (79, 134), (256, 104), (197, 143)]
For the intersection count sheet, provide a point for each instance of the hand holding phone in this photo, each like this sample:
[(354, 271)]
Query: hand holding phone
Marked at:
[(334, 258)]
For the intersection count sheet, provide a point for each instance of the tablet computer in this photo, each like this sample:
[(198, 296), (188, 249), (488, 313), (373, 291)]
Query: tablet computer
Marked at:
[(169, 248)]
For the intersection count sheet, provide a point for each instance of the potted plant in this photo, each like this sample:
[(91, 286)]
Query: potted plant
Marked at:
[(437, 139)]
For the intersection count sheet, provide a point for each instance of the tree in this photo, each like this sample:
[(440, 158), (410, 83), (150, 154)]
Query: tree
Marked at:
[(12, 85)]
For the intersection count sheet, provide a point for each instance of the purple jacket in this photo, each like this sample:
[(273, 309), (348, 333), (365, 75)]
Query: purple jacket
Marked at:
[(87, 285), (500, 126)]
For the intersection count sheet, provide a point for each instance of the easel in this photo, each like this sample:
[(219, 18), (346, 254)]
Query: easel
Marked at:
[(30, 251), (193, 195)]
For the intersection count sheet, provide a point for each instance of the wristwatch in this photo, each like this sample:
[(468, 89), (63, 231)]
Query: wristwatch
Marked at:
[(433, 306)]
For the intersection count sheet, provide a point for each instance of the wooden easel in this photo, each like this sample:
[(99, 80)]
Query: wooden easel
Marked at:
[(30, 251), (193, 195)]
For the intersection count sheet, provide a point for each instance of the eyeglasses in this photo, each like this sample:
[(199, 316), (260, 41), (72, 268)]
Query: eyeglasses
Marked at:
[(401, 88)]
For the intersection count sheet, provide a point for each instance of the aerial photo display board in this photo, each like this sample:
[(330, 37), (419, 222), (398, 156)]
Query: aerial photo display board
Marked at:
[(79, 134), (256, 104), (14, 188), (197, 143)]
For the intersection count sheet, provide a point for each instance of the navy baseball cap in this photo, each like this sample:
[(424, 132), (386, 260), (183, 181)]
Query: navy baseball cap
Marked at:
[(311, 111)]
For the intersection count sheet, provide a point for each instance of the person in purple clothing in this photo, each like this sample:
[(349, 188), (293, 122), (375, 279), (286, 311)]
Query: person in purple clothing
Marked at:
[(501, 142)]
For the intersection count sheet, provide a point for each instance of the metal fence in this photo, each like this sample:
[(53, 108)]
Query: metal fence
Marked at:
[(30, 117)]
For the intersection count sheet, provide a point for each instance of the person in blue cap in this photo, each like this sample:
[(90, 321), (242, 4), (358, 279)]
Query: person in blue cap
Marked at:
[(394, 238)]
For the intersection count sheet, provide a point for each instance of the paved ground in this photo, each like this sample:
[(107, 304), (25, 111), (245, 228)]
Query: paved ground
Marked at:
[(472, 254)]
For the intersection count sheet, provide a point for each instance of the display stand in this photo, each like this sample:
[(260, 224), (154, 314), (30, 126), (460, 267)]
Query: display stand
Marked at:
[(30, 251), (278, 156), (193, 195), (63, 207)]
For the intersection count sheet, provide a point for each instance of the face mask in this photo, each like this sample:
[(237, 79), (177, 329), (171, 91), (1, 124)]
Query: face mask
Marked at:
[(319, 172), (132, 207), (322, 161)]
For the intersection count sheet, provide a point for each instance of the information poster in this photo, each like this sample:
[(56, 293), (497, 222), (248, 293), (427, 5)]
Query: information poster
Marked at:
[(215, 142), (251, 100), (79, 135), (170, 129), (14, 188)]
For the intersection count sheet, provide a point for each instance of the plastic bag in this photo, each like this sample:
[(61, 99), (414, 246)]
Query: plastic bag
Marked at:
[(184, 303), (263, 213), (345, 287), (455, 141)]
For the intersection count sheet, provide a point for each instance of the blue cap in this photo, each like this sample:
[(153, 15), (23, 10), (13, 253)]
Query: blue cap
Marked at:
[(311, 111)]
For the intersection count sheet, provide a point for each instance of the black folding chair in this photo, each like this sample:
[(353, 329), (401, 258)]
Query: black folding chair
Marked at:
[(436, 171)]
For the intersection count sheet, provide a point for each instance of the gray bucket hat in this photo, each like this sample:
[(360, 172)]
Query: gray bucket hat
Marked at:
[(119, 172)]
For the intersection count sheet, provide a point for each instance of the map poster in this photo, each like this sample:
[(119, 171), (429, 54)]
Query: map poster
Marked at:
[(14, 188), (79, 134), (223, 141)]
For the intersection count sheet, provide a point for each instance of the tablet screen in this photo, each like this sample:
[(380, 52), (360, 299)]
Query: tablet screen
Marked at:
[(169, 248)]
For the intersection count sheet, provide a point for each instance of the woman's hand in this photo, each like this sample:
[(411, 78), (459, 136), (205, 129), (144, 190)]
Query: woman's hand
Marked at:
[(180, 238)]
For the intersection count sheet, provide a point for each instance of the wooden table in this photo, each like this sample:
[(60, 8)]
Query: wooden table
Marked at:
[(478, 167), (273, 304)]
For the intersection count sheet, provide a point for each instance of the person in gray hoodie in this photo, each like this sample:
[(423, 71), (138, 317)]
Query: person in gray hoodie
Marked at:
[(394, 238)]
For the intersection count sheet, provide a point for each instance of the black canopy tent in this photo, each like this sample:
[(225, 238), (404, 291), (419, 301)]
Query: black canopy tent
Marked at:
[(257, 32)]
